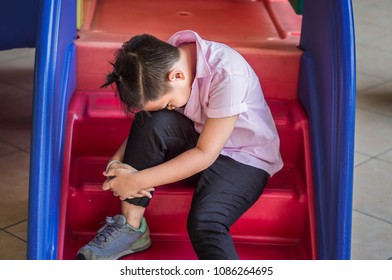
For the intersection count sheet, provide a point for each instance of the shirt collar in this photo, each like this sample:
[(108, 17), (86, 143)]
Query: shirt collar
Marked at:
[(189, 36)]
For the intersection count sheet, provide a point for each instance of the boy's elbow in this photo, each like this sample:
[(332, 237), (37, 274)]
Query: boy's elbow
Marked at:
[(208, 158)]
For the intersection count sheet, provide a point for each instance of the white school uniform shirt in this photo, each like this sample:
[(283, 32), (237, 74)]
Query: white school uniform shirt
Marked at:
[(226, 85)]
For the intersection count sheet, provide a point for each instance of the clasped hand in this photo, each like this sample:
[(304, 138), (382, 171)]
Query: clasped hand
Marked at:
[(121, 181)]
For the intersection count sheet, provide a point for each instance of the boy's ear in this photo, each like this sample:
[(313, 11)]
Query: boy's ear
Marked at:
[(175, 75)]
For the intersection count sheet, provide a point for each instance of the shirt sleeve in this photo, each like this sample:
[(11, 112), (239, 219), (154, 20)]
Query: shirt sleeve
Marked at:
[(228, 95)]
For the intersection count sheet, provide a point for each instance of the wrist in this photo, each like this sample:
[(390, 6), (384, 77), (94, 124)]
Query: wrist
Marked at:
[(140, 180), (110, 163)]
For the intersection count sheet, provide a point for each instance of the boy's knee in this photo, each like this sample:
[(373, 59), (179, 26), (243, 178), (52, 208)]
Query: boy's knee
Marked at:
[(201, 228), (149, 121)]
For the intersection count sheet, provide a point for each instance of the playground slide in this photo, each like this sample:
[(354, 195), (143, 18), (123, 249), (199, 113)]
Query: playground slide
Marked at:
[(78, 127)]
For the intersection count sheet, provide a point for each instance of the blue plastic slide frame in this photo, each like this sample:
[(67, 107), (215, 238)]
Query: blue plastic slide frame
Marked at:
[(327, 90), (54, 83)]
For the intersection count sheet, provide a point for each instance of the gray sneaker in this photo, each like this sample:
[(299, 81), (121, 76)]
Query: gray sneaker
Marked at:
[(115, 240)]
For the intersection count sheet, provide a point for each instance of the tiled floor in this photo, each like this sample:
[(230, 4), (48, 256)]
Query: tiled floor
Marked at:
[(16, 82), (372, 203)]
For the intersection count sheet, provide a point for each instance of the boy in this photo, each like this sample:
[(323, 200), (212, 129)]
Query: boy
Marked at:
[(207, 120)]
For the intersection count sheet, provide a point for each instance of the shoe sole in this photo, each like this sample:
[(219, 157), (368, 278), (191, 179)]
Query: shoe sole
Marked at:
[(131, 251)]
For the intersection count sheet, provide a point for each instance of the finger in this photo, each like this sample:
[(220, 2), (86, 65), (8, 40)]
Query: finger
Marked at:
[(138, 195), (109, 184), (145, 193), (111, 172), (106, 185)]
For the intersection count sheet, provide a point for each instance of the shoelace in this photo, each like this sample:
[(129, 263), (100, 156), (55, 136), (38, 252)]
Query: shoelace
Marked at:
[(106, 231)]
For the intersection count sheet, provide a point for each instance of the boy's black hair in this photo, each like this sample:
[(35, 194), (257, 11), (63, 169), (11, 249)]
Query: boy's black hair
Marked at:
[(140, 70)]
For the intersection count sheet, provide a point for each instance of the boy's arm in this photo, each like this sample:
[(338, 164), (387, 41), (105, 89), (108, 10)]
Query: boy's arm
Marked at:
[(212, 139), (119, 154)]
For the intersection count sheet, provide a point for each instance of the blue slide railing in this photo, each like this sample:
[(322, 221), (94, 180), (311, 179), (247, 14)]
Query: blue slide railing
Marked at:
[(54, 83), (327, 90)]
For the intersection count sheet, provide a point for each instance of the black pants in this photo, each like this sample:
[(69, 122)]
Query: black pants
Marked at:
[(223, 192)]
